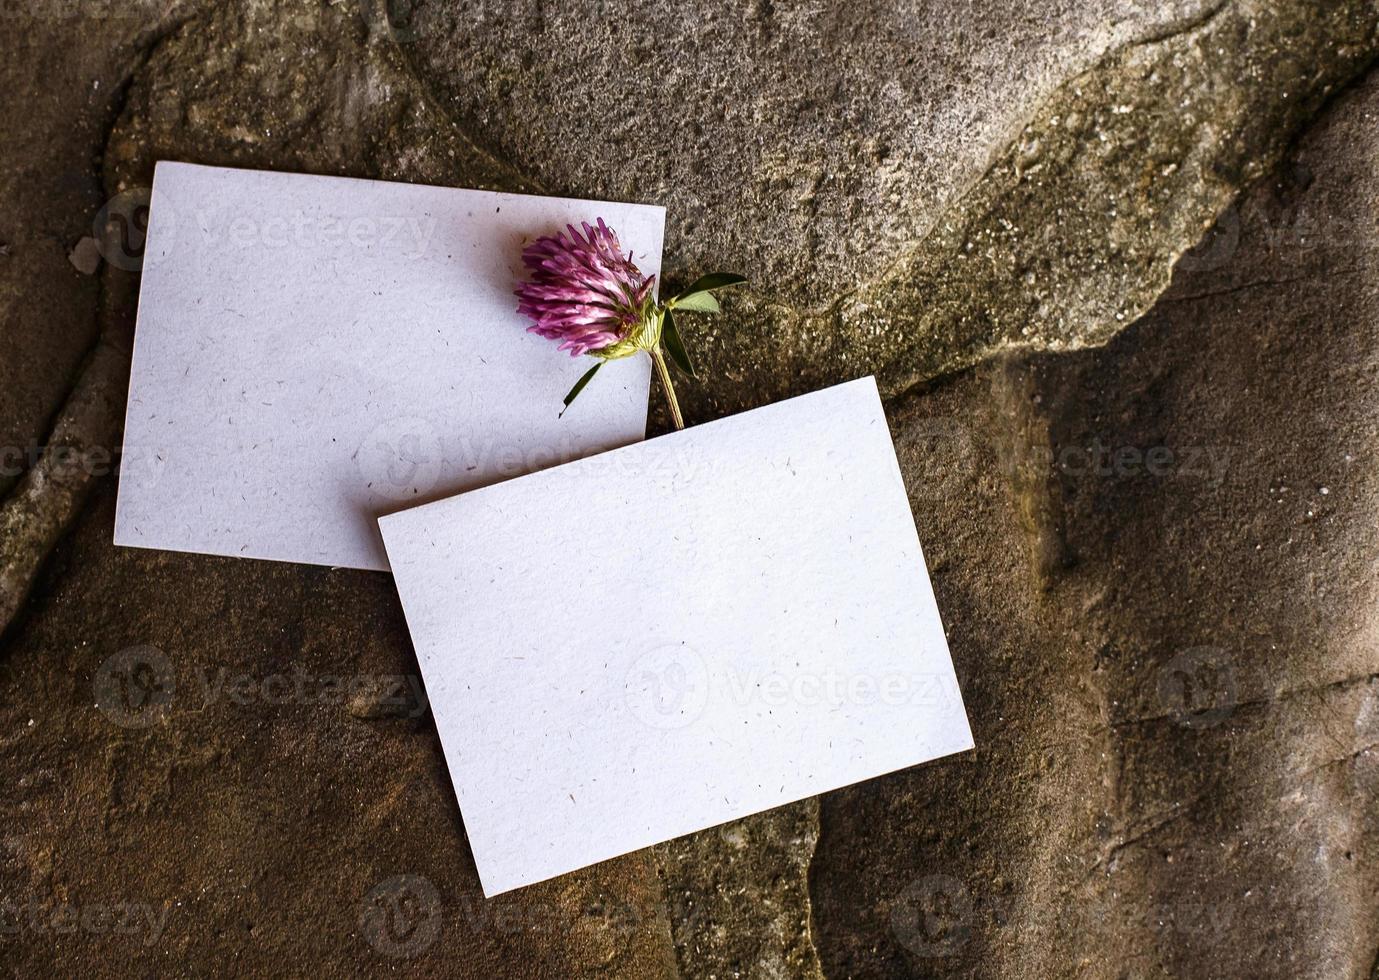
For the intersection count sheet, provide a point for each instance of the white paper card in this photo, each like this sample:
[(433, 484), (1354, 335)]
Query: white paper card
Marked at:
[(675, 634), (312, 352)]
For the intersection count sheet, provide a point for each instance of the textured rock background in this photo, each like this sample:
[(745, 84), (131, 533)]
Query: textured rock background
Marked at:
[(1154, 558)]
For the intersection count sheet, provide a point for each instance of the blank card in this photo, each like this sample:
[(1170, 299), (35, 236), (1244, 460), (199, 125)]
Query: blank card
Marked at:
[(664, 637), (312, 352)]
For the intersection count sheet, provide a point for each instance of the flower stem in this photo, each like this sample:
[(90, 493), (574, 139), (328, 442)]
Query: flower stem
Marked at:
[(664, 372)]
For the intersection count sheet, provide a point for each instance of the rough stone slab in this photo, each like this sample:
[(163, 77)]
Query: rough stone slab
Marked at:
[(47, 498), (271, 827), (805, 143), (248, 754), (819, 161), (1073, 232), (349, 858), (53, 134), (738, 896), (1165, 638)]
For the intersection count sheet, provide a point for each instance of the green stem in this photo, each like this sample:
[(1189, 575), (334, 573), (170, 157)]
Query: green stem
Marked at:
[(664, 372)]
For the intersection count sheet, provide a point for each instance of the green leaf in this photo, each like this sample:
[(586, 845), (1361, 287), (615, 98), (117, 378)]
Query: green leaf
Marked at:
[(715, 280), (700, 302), (675, 347), (579, 385)]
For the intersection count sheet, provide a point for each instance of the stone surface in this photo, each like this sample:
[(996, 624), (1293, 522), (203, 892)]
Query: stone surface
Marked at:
[(839, 132), (738, 896), (1168, 659), (1164, 622), (53, 135), (1039, 208), (218, 776), (275, 806), (1073, 231)]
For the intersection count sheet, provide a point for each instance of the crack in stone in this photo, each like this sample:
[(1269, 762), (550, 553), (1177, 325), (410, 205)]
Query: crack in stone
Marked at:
[(1073, 231), (519, 181), (1321, 690), (48, 497), (1340, 761), (1185, 26), (1244, 287), (1155, 823), (144, 49), (1112, 853)]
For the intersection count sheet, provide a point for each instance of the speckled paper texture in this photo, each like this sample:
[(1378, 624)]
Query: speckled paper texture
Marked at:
[(675, 634), (313, 352)]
